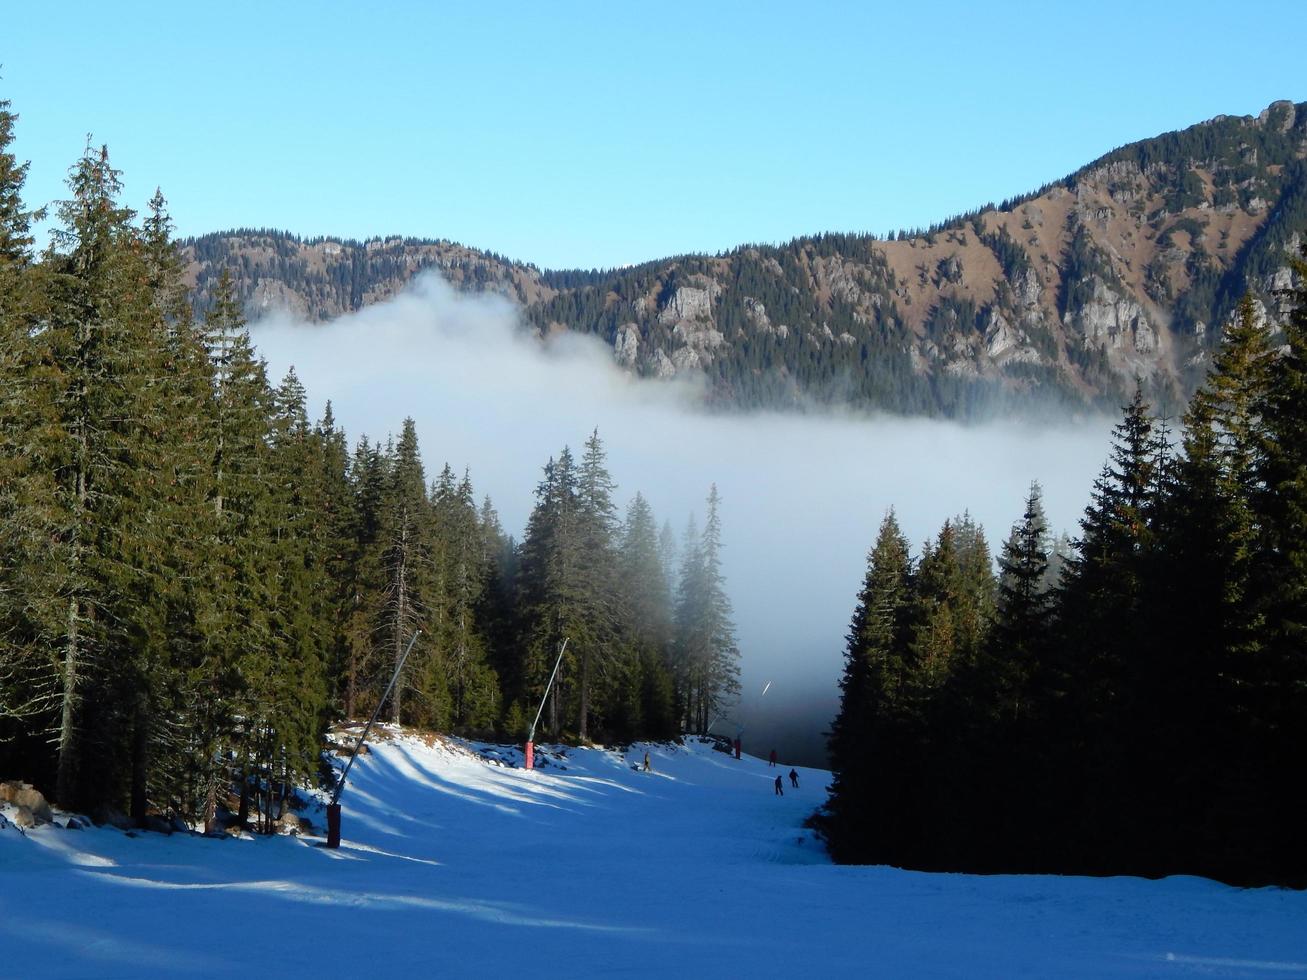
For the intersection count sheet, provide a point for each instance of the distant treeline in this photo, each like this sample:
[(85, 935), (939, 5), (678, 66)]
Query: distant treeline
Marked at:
[(1140, 710), (196, 579)]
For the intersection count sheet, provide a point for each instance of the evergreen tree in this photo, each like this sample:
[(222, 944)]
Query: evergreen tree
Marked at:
[(463, 571), (707, 656), (649, 707), (602, 670), (406, 560), (25, 682), (235, 598), (365, 581), (548, 595), (1024, 605), (862, 737), (1106, 642)]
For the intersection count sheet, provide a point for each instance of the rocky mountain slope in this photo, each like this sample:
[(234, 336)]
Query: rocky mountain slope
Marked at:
[(1126, 268)]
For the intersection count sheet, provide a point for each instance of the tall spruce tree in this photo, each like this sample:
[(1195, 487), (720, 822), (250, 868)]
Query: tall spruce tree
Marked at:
[(463, 571), (649, 706), (405, 537), (872, 689), (25, 683), (1024, 605), (602, 668), (94, 403), (1106, 640), (707, 656)]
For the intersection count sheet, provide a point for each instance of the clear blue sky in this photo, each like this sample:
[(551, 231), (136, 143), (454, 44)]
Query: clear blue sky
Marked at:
[(599, 134)]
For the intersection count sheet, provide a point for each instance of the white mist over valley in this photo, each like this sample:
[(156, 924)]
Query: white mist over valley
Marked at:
[(803, 494)]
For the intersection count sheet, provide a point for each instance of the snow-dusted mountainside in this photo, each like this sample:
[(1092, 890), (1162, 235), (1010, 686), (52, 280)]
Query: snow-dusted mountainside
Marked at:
[(457, 863)]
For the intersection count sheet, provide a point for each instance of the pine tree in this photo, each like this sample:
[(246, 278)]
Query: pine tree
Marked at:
[(463, 572), (98, 419), (688, 642), (872, 691), (649, 707), (495, 608), (405, 538), (1024, 606), (16, 241), (1105, 643), (25, 682), (597, 587), (236, 597), (546, 547), (337, 529), (365, 582), (707, 656)]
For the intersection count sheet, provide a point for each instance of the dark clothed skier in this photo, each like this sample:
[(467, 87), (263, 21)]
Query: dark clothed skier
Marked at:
[(737, 748), (772, 760), (794, 779), (780, 789), (646, 762)]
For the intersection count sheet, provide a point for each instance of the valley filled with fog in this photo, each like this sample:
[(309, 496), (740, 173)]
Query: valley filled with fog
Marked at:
[(802, 494)]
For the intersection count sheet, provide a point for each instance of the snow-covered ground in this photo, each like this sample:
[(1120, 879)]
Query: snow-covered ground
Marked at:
[(453, 866)]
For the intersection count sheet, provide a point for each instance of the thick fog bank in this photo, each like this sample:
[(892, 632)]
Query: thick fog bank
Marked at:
[(802, 496)]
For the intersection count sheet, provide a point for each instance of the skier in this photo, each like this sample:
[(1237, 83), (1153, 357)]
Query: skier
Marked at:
[(780, 790), (646, 762), (772, 761), (737, 748), (794, 779)]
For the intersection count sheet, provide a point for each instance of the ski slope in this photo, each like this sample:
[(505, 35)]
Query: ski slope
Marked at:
[(455, 866)]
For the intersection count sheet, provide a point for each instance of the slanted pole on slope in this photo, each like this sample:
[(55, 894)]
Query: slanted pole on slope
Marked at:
[(531, 735), (333, 808)]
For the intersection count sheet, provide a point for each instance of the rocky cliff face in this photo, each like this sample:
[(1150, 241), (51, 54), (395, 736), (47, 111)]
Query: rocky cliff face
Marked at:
[(1127, 268)]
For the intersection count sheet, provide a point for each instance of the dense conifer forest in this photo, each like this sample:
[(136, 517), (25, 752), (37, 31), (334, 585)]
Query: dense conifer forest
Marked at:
[(197, 579), (1132, 702)]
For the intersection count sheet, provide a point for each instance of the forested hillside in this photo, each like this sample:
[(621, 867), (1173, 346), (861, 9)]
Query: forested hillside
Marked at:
[(196, 579), (1125, 269)]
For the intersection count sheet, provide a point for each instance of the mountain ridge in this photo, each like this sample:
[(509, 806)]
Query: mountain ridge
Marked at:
[(1127, 268)]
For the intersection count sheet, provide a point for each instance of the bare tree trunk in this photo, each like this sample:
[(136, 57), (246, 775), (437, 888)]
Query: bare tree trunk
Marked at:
[(553, 707), (243, 811), (585, 693), (67, 772), (211, 805), (140, 762), (401, 615), (351, 680), (399, 654)]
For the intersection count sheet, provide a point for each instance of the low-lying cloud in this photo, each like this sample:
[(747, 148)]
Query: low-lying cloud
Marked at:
[(802, 495)]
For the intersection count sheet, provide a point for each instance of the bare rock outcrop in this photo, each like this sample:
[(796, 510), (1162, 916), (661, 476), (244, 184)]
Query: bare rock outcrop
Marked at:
[(689, 303), (626, 346), (27, 799), (1112, 321)]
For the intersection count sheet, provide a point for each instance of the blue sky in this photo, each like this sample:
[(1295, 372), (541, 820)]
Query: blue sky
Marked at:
[(600, 134)]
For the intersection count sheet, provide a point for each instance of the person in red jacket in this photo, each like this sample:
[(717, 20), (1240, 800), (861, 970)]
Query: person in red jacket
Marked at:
[(772, 761)]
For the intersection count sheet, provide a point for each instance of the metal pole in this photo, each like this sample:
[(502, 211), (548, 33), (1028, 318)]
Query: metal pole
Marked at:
[(531, 735), (335, 799)]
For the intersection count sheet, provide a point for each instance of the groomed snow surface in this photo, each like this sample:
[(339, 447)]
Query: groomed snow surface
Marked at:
[(454, 865)]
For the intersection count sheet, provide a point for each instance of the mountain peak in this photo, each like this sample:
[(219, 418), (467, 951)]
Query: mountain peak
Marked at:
[(1127, 268)]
